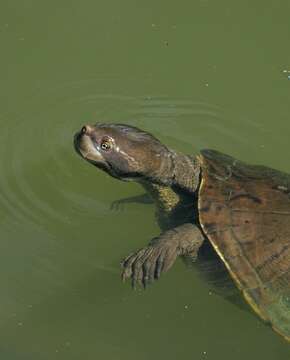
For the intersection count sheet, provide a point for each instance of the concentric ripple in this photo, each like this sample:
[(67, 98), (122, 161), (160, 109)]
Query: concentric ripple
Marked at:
[(41, 182)]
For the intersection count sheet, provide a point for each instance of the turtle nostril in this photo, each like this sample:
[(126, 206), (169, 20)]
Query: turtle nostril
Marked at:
[(87, 130)]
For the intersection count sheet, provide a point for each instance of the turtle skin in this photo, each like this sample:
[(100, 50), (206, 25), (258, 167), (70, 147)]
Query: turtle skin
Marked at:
[(242, 210)]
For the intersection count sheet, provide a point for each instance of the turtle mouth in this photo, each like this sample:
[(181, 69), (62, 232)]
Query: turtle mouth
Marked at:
[(86, 148)]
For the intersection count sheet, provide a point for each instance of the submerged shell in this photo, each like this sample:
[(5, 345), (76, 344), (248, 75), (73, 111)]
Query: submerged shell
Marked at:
[(245, 212)]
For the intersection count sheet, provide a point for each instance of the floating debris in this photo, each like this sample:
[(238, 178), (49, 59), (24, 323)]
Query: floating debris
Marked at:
[(285, 71)]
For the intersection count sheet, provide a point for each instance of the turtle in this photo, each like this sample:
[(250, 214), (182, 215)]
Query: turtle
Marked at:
[(241, 210)]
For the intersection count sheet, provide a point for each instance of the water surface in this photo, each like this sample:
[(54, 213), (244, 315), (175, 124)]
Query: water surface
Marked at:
[(197, 74)]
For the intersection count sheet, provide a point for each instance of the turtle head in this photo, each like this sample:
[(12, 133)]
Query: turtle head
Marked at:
[(124, 152)]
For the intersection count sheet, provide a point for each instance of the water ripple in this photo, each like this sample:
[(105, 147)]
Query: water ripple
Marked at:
[(40, 182)]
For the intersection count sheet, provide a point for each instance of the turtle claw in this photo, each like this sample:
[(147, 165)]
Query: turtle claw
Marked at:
[(147, 264)]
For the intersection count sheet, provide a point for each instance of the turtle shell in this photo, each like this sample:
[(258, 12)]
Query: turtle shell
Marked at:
[(244, 210)]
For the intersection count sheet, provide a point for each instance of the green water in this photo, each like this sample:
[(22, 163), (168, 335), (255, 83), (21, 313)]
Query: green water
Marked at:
[(195, 73)]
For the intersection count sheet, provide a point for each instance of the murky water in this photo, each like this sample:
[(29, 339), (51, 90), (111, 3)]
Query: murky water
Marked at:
[(197, 74)]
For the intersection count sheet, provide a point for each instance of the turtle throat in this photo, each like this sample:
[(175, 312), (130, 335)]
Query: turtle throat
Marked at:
[(186, 172), (178, 170)]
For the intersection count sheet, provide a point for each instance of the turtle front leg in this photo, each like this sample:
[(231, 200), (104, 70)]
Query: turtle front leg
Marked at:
[(140, 199), (147, 264)]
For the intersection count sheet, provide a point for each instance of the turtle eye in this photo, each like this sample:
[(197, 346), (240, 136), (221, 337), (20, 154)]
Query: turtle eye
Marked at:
[(106, 145)]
